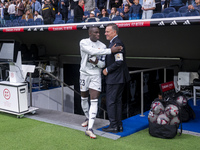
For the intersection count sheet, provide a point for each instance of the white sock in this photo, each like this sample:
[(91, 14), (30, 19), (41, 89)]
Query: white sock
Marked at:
[(85, 106), (92, 112)]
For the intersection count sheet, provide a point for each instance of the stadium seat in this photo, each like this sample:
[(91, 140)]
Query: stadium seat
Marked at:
[(174, 14), (15, 24), (86, 13), (109, 11), (166, 11), (92, 20), (120, 10), (58, 17), (183, 10), (31, 23), (157, 15), (117, 18), (96, 11), (30, 20), (15, 21), (192, 13), (38, 20), (70, 21), (104, 19)]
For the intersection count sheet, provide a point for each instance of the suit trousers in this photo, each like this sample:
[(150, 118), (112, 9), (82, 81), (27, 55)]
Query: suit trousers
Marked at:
[(114, 103)]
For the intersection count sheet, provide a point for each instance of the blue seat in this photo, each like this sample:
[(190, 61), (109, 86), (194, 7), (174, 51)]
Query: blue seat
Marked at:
[(120, 10), (174, 14), (92, 20), (96, 11), (104, 19), (58, 17), (86, 13), (31, 23), (157, 15), (117, 18), (166, 11), (192, 13), (16, 24), (183, 10), (30, 20), (15, 21), (109, 11), (70, 21), (38, 21)]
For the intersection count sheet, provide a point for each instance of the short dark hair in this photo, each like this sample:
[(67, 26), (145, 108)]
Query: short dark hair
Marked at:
[(114, 27), (91, 28)]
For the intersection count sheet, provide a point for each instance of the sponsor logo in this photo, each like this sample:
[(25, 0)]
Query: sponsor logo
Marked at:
[(62, 28), (173, 23), (35, 29), (29, 29), (187, 22), (102, 26), (84, 27), (41, 29), (161, 23), (6, 94)]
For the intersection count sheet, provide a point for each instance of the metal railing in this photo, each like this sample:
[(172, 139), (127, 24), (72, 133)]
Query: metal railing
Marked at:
[(62, 85), (142, 73)]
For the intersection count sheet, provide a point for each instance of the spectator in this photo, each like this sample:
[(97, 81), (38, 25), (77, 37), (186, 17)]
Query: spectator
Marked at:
[(36, 6), (113, 13), (37, 15), (125, 13), (89, 5), (78, 12), (104, 13), (27, 15), (92, 15), (135, 11), (11, 10), (72, 5), (130, 2), (48, 13), (176, 4), (115, 3), (20, 8), (148, 6), (158, 6), (5, 11), (1, 11), (195, 6), (27, 5), (101, 4), (55, 5), (63, 9)]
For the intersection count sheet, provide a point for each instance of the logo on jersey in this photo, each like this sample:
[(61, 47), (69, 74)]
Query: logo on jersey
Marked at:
[(119, 57)]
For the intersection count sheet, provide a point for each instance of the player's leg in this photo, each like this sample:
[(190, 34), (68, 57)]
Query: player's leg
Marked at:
[(84, 98)]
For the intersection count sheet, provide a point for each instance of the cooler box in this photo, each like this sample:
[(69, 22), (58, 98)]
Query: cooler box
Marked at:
[(13, 97), (186, 78)]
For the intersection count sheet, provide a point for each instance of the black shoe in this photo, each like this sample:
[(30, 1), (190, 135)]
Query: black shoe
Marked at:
[(120, 128), (110, 129)]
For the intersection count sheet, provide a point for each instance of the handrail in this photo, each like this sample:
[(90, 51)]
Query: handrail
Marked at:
[(145, 70), (62, 83)]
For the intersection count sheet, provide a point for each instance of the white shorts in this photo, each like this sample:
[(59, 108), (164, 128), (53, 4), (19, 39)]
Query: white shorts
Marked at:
[(92, 82)]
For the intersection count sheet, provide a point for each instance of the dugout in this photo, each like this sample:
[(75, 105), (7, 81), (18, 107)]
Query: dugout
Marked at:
[(149, 44)]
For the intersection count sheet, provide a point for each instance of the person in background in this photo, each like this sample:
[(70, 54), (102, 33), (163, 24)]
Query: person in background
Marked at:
[(54, 3), (27, 15), (5, 11), (37, 15), (103, 13), (115, 3), (101, 4), (79, 13), (135, 11), (48, 13), (158, 8), (63, 9), (195, 6), (11, 10), (92, 15), (36, 6), (125, 13), (176, 4), (148, 6), (89, 5), (113, 13), (20, 8)]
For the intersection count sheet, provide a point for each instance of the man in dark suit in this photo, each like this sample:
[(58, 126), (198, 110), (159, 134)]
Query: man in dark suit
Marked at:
[(78, 12), (63, 9), (117, 75)]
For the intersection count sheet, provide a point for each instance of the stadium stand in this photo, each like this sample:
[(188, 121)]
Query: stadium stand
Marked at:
[(192, 13), (183, 10), (104, 19), (166, 11), (158, 15), (117, 18), (174, 14)]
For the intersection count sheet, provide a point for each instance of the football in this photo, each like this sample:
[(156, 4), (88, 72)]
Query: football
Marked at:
[(157, 107), (175, 121), (152, 117), (163, 119), (171, 110), (181, 100)]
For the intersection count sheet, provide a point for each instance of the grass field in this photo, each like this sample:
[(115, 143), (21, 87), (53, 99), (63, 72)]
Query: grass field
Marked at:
[(28, 134)]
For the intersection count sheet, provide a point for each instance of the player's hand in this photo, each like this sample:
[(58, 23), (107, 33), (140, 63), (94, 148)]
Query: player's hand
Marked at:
[(116, 49), (94, 62), (105, 72)]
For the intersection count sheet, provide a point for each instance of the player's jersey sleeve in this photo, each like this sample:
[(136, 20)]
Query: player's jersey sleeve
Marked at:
[(87, 48)]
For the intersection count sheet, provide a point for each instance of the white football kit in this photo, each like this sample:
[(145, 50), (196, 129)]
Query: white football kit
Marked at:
[(90, 74)]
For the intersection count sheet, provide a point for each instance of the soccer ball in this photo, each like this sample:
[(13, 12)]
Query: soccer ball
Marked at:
[(175, 121), (152, 117), (181, 100), (157, 107), (171, 110), (163, 119)]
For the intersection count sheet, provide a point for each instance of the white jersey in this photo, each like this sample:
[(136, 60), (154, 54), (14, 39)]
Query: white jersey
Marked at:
[(89, 49)]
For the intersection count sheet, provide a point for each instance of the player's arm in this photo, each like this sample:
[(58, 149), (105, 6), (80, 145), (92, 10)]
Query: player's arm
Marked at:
[(85, 47)]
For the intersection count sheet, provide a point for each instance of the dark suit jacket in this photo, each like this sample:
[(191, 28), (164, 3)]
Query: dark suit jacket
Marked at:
[(64, 7), (117, 70), (21, 9), (78, 14)]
